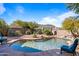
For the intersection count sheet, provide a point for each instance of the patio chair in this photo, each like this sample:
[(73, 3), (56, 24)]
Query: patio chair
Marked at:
[(70, 49), (2, 39)]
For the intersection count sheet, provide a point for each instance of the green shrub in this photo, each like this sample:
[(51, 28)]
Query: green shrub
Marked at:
[(47, 32), (28, 33), (39, 31), (18, 33), (34, 35)]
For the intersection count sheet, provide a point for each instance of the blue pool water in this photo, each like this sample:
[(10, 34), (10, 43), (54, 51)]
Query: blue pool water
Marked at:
[(38, 46)]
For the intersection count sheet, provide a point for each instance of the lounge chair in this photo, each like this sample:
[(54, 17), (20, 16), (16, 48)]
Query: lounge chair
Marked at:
[(2, 39), (70, 49)]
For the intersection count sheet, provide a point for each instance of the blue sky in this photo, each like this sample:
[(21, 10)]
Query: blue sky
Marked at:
[(42, 13)]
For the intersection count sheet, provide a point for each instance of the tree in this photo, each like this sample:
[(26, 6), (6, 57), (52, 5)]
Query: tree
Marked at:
[(3, 27), (74, 7), (72, 25), (32, 26), (21, 23), (68, 23)]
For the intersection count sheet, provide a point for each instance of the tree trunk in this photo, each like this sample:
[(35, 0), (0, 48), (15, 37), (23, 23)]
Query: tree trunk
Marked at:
[(75, 35)]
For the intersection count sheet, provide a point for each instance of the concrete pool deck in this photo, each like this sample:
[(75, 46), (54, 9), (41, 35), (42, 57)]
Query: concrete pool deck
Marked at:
[(6, 50)]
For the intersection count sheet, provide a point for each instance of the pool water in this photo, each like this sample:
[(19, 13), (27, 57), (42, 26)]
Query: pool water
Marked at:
[(38, 46)]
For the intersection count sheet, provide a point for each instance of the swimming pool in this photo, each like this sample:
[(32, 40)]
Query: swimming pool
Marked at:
[(38, 46)]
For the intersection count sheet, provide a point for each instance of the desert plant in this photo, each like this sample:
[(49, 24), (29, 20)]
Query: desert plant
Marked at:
[(34, 35), (39, 31), (47, 32)]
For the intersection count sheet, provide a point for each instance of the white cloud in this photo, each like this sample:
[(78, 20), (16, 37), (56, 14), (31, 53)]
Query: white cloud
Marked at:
[(57, 21), (20, 9), (67, 14), (2, 9)]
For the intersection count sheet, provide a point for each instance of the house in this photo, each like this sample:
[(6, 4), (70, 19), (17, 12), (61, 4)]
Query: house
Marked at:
[(14, 28)]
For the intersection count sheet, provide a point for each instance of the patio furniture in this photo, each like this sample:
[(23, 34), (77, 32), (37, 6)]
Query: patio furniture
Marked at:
[(70, 49), (2, 39)]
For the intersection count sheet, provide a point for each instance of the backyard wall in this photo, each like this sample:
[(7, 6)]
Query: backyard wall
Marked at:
[(63, 34)]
